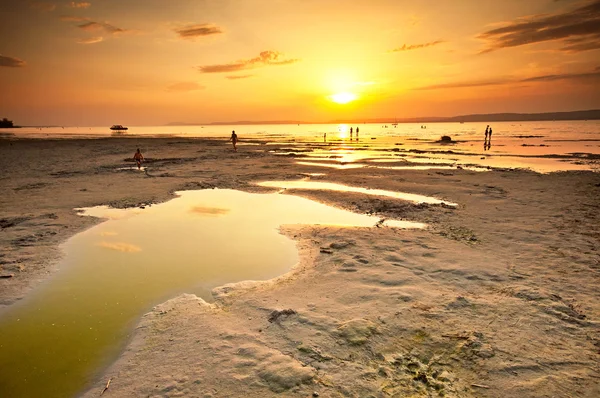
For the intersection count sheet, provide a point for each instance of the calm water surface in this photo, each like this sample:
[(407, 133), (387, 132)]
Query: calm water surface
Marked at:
[(539, 146), (53, 342)]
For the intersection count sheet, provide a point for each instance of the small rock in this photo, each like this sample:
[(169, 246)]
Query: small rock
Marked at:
[(315, 394), (275, 315)]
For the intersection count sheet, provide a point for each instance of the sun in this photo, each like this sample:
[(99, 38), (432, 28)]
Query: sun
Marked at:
[(343, 98)]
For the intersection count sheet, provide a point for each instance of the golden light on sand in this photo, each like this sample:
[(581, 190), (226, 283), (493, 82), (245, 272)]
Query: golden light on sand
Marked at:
[(343, 98)]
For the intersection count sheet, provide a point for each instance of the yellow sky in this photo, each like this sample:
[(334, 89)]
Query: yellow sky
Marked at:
[(100, 62)]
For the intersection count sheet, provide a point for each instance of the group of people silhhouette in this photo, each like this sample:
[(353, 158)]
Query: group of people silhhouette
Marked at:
[(139, 158), (487, 142), (357, 130)]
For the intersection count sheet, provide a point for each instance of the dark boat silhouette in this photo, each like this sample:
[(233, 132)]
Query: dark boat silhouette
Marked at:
[(118, 127)]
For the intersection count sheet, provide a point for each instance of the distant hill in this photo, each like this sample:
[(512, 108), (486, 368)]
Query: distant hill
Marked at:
[(593, 114), (527, 117)]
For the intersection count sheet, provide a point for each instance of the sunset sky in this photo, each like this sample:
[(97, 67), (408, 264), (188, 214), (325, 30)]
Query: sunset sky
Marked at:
[(152, 62)]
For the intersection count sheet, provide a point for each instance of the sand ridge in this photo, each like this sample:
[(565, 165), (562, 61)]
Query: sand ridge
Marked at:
[(497, 298)]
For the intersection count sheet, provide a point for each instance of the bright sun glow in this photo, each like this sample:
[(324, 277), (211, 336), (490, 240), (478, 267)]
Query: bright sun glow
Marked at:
[(343, 98)]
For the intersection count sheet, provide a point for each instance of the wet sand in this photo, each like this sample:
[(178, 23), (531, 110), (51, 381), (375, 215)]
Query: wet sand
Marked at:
[(498, 297)]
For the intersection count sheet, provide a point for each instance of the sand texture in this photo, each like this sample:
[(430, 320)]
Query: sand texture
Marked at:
[(498, 297)]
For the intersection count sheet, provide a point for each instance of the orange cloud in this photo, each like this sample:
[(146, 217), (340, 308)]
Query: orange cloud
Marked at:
[(265, 58), (236, 77), (92, 26), (577, 30), (193, 31), (91, 40), (79, 4), (587, 76), (417, 46), (11, 62)]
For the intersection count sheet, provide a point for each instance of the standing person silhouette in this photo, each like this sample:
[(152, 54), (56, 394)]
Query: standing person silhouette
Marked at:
[(357, 133), (350, 133), (487, 130), (234, 140), (138, 157), (489, 143)]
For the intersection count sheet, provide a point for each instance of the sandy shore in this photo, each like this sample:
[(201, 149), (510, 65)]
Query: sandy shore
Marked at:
[(497, 298)]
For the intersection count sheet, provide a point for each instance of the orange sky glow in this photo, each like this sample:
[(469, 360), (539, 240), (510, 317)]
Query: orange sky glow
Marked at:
[(152, 62)]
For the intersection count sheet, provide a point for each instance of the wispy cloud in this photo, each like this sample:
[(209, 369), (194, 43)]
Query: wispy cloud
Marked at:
[(101, 29), (42, 6), (91, 40), (79, 4), (191, 32), (11, 62), (265, 58), (503, 81), (237, 77), (408, 47), (576, 30), (185, 86), (92, 26)]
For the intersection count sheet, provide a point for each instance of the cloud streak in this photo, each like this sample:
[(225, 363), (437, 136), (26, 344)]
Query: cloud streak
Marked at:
[(91, 40), (237, 77), (199, 30), (595, 75), (265, 58), (410, 47), (79, 4), (577, 30), (11, 62), (92, 26)]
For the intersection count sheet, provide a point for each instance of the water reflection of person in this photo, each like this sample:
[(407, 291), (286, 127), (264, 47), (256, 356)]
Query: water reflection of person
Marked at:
[(234, 140), (138, 157)]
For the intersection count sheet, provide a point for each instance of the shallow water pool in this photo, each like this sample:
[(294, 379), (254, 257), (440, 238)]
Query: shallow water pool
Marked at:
[(53, 342)]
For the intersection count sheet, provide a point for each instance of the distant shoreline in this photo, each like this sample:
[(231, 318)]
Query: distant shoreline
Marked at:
[(593, 114)]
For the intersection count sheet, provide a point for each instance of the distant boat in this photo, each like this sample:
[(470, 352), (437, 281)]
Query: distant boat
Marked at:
[(118, 127)]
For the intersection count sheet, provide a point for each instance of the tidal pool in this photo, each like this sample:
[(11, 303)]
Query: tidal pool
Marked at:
[(57, 339), (330, 186)]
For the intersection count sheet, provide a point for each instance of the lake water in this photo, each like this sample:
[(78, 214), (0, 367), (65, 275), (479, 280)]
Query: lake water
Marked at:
[(53, 342), (539, 146)]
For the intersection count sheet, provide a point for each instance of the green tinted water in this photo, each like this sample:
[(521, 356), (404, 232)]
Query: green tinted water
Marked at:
[(54, 342)]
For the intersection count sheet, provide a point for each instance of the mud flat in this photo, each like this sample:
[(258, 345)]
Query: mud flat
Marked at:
[(497, 297)]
